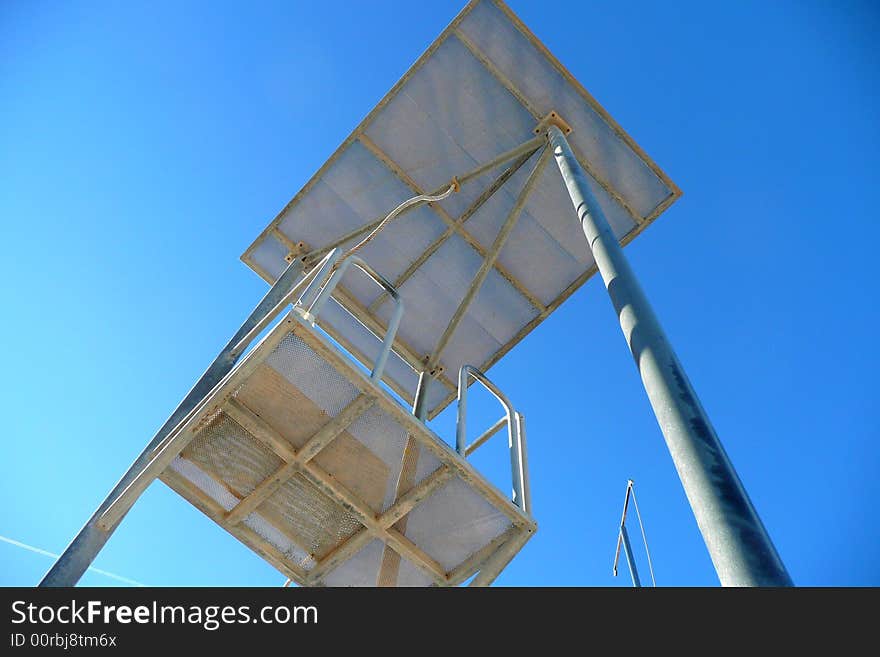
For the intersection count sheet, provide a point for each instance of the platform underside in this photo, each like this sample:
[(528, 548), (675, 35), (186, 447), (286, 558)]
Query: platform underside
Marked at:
[(479, 90), (305, 460)]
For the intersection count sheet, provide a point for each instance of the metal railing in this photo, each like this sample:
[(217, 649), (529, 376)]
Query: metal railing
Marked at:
[(315, 289), (516, 434), (329, 272), (623, 540)]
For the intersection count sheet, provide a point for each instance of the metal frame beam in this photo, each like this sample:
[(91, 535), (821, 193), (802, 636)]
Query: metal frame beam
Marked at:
[(209, 506), (159, 456), (323, 437), (367, 518), (529, 146), (473, 563), (404, 504), (530, 107), (478, 202), (454, 30), (490, 257), (415, 427), (300, 463), (450, 222), (165, 452), (520, 154), (389, 567), (493, 566), (86, 545)]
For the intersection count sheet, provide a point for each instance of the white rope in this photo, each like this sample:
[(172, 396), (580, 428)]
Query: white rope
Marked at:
[(644, 537), (421, 198)]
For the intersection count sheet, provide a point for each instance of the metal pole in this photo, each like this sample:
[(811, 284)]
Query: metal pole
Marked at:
[(516, 439), (521, 462), (327, 291), (420, 403), (630, 560), (738, 543), (74, 561)]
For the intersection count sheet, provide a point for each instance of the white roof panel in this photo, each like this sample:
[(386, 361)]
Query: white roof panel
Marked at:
[(478, 91)]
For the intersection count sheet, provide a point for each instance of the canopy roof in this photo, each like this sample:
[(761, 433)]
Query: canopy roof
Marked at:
[(478, 91)]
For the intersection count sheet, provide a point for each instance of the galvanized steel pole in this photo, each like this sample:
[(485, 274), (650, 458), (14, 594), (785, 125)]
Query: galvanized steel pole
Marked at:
[(630, 557), (738, 543), (82, 551)]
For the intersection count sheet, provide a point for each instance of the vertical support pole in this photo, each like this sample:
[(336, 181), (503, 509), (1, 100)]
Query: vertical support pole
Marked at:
[(388, 340), (738, 543), (461, 414), (86, 545), (630, 559), (420, 403), (516, 472), (520, 462)]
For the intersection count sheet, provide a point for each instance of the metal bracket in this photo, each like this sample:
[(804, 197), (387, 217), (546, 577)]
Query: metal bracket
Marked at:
[(553, 118), (301, 249), (435, 371)]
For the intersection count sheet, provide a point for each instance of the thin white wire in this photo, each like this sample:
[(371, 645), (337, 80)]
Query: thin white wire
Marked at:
[(427, 198), (644, 537), (46, 553)]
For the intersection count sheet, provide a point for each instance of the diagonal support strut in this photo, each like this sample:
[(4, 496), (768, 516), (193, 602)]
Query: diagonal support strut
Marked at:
[(490, 258)]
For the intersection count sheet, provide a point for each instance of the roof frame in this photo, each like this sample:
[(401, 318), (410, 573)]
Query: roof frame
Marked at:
[(447, 219), (529, 147), (450, 231), (525, 102), (490, 257), (544, 310)]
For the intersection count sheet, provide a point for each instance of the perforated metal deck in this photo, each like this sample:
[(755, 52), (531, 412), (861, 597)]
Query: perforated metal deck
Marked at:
[(299, 455)]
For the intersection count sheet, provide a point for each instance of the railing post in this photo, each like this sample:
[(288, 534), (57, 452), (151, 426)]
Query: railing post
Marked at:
[(341, 265), (516, 440), (519, 462)]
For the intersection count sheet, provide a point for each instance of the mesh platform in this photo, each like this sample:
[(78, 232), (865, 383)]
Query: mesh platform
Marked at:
[(304, 459)]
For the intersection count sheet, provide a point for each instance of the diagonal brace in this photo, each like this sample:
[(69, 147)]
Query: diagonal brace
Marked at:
[(438, 209), (469, 212), (406, 503), (294, 459), (490, 258), (339, 493), (526, 147)]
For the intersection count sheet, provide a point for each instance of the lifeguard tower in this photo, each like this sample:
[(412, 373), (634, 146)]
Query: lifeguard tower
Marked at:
[(434, 239)]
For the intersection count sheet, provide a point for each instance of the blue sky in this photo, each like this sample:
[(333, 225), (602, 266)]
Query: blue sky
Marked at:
[(143, 146)]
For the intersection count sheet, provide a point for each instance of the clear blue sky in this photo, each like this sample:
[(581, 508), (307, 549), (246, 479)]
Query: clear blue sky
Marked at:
[(143, 146)]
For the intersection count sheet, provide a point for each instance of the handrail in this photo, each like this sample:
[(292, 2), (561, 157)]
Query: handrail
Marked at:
[(330, 271), (516, 434), (488, 433), (272, 314)]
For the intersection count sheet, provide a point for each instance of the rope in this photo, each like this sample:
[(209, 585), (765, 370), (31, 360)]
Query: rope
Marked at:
[(644, 537), (454, 186)]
